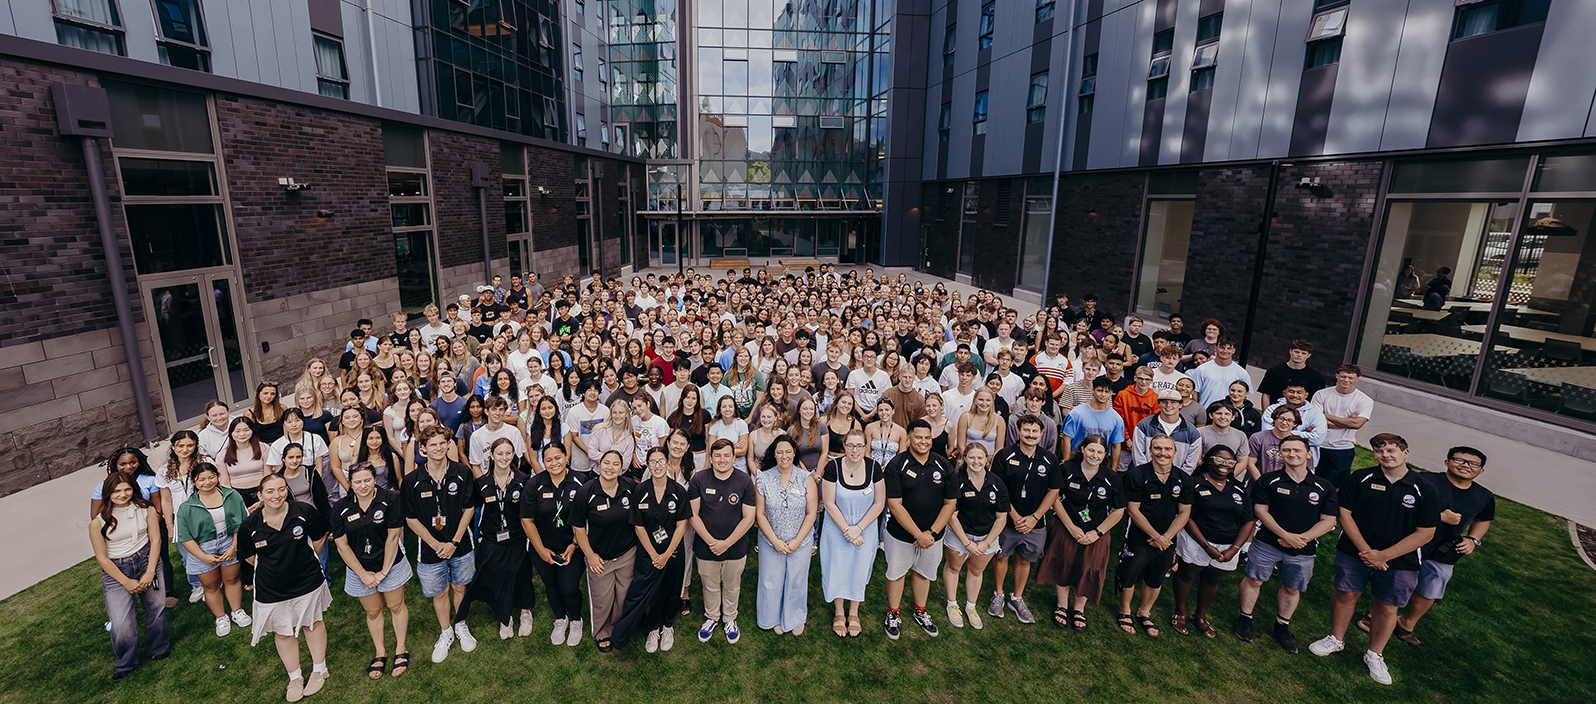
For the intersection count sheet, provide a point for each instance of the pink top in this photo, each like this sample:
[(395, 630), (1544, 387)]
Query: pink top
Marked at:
[(247, 473)]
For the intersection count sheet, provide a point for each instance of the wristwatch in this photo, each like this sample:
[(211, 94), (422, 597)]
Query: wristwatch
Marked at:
[(1477, 541)]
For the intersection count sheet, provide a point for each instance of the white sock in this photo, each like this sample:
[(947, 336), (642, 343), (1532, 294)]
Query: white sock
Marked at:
[(969, 604), (296, 675), (953, 604), (320, 667)]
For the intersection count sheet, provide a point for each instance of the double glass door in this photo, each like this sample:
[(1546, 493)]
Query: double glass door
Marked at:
[(195, 323)]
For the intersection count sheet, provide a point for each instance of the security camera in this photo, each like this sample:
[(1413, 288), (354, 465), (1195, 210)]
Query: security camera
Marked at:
[(543, 190), (289, 184)]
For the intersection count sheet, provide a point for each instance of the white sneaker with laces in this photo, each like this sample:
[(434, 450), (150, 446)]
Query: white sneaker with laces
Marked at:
[(242, 619), (196, 596), (557, 634), (506, 632), (955, 617), (526, 625), (652, 646), (467, 643), (974, 615), (575, 635), (223, 627), (667, 638), (1377, 669), (440, 650), (1326, 645)]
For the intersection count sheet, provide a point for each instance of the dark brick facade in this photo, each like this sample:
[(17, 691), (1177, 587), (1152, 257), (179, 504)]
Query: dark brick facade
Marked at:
[(941, 227), (283, 248), (1096, 230), (996, 233), (459, 220), (554, 214)]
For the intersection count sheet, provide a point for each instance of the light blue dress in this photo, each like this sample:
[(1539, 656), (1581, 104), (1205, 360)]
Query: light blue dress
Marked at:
[(783, 595), (844, 567)]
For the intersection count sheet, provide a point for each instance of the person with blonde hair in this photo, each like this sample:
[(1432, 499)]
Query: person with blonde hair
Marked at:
[(974, 534)]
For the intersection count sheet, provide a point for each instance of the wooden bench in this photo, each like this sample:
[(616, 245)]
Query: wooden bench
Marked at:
[(798, 265), (729, 263)]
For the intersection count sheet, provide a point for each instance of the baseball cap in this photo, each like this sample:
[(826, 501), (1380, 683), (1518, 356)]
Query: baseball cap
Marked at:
[(1169, 395)]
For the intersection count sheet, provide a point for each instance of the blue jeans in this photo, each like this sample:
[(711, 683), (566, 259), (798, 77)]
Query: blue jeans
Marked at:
[(121, 607)]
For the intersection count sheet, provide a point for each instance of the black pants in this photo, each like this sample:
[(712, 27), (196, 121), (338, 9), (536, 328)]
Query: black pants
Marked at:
[(246, 571), (652, 600), (562, 585)]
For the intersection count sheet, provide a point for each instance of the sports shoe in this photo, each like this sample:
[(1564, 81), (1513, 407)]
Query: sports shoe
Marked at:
[(223, 627), (652, 645), (242, 619), (506, 632), (924, 619), (467, 643), (954, 616), (974, 615), (440, 649), (1283, 636), (557, 634), (1244, 628), (526, 625), (707, 630), (1377, 670), (574, 636), (732, 634), (196, 596), (296, 689), (1326, 645), (894, 624), (667, 638), (995, 608), (1021, 610)]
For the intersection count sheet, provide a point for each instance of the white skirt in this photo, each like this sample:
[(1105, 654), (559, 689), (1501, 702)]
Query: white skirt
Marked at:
[(287, 618)]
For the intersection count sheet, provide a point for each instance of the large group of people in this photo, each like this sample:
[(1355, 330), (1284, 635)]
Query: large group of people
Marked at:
[(640, 435)]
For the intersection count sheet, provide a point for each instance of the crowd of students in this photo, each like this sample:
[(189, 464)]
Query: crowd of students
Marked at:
[(639, 435)]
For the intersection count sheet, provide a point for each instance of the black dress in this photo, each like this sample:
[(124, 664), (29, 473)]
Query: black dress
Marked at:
[(504, 575)]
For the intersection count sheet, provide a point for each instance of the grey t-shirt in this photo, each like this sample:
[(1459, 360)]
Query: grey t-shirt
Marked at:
[(1233, 439)]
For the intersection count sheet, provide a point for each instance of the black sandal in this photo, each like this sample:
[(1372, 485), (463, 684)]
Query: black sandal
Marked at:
[(1147, 624), (1061, 617), (1079, 619), (401, 664), (1126, 624), (378, 666), (604, 646), (687, 606)]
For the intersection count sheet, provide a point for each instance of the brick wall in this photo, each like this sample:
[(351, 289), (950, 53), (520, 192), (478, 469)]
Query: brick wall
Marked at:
[(942, 228), (997, 243), (554, 213), (1096, 232), (459, 219), (283, 248)]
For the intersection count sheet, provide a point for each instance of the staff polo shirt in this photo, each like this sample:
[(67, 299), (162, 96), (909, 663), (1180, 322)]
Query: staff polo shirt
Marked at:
[(1089, 501), (1220, 511), (720, 507), (1295, 506), (658, 515), (439, 506), (285, 560), (606, 518), (1387, 511), (548, 504), (501, 508), (922, 487), (366, 529), (979, 506), (1031, 476), (1160, 500)]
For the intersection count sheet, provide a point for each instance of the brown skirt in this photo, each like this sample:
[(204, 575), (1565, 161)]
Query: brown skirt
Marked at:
[(1067, 563)]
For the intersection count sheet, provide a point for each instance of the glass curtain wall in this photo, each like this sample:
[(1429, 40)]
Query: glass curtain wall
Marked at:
[(493, 63), (643, 84)]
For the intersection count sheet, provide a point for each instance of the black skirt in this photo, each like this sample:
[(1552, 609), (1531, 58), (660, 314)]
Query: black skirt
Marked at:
[(503, 581)]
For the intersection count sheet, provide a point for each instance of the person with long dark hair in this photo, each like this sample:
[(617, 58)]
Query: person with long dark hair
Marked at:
[(546, 502), (504, 577), (602, 529), (785, 510), (383, 460), (368, 527), (206, 527), (291, 595), (176, 486), (659, 517), (125, 532), (267, 412), (1090, 503), (1221, 524)]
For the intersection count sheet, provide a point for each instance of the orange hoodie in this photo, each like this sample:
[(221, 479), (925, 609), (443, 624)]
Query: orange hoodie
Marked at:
[(1133, 407)]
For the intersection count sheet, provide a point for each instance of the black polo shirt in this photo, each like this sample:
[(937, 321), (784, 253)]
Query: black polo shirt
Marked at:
[(439, 506), (979, 506), (285, 561), (606, 518), (1220, 512), (549, 506), (1160, 500), (923, 488), (1387, 511), (658, 515), (500, 520), (720, 507), (492, 312), (1089, 501), (366, 529), (1295, 506), (1031, 476), (1475, 503)]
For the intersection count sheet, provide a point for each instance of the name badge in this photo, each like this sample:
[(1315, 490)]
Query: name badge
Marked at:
[(1377, 487), (1282, 490), (1074, 485), (1015, 462), (911, 474), (353, 517), (548, 495), (868, 490), (489, 499), (1205, 492), (503, 536), (709, 491), (260, 544), (795, 490), (1154, 497), (426, 494), (642, 506), (969, 494), (659, 535), (604, 506)]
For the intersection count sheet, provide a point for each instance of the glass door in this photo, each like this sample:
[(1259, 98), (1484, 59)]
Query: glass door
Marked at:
[(197, 340), (418, 282), (667, 239)]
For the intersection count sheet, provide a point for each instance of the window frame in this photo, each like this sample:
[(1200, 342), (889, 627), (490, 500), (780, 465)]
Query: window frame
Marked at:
[(1314, 49), (343, 58), (988, 24), (1036, 111), (576, 60), (980, 112), (1322, 17), (950, 44), (945, 123), (1044, 7), (203, 25), (116, 31)]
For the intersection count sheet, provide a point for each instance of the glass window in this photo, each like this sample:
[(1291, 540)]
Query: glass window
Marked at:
[(1566, 173), (945, 122), (1172, 183), (1331, 23), (1044, 10), (404, 184), (404, 146), (1163, 42), (177, 236), (91, 38), (1157, 88), (988, 21), (1205, 56), (1202, 79), (1085, 104), (581, 130), (1325, 53), (158, 119), (1033, 240), (967, 236), (949, 43), (332, 76), (576, 60), (182, 33), (1208, 27), (1479, 18), (89, 24), (1499, 175), (1163, 267), (166, 177), (1036, 99), (512, 159), (980, 113), (831, 123)]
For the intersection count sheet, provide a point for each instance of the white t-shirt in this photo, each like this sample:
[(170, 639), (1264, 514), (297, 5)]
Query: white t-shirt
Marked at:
[(730, 431), (649, 434), (430, 334), (581, 421), (1162, 380), (954, 404), (1336, 403), (315, 450), (867, 388), (927, 385), (483, 439), (543, 381), (516, 361), (1013, 386)]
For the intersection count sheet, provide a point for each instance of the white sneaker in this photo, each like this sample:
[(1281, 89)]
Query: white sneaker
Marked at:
[(223, 627), (505, 631), (652, 645), (242, 619), (974, 615), (196, 596), (1326, 645), (557, 634), (1377, 669), (467, 643), (954, 616), (440, 650), (526, 625), (667, 638), (575, 635)]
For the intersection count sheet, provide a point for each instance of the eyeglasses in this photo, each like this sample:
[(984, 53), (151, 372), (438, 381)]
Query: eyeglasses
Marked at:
[(1223, 462), (1471, 464), (854, 445)]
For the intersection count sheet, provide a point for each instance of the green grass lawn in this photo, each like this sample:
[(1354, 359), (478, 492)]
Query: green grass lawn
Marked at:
[(1516, 626)]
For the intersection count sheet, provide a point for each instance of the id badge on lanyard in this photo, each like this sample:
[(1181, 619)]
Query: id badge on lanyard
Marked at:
[(504, 523)]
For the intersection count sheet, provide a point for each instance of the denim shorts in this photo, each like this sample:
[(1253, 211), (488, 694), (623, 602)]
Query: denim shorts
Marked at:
[(1390, 586), (437, 576), (1295, 570), (194, 566), (1433, 577), (952, 542), (398, 576)]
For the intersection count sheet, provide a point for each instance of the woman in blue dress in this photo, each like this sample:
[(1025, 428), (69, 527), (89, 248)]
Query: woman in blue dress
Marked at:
[(854, 494)]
